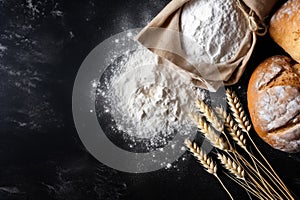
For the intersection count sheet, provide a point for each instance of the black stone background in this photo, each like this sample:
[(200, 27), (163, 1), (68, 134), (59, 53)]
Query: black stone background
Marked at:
[(41, 157)]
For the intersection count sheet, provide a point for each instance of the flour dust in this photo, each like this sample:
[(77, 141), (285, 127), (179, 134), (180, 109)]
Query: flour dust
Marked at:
[(145, 104)]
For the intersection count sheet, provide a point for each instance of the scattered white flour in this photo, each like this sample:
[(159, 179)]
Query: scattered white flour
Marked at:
[(57, 13), (2, 49), (217, 27), (32, 7), (150, 101)]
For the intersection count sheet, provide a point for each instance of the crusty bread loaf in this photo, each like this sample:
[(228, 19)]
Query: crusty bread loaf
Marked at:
[(285, 28), (274, 102)]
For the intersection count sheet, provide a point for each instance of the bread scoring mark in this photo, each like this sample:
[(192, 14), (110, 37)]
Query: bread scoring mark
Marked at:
[(278, 106), (270, 74), (291, 133), (287, 139), (278, 71)]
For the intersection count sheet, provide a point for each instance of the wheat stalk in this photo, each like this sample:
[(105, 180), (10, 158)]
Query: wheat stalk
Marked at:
[(210, 134), (228, 122), (205, 161), (231, 166), (202, 157), (237, 126), (214, 121), (215, 139), (243, 122), (253, 190), (238, 171), (232, 128), (239, 138), (210, 115), (238, 111)]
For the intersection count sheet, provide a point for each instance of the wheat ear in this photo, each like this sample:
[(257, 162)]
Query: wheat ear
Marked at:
[(238, 111), (233, 131), (202, 157), (231, 166), (210, 115), (241, 118), (214, 121), (238, 136), (232, 128), (238, 171), (205, 161), (210, 134)]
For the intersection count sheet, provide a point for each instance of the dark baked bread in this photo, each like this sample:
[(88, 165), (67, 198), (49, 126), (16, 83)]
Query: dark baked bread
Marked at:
[(285, 28), (274, 102)]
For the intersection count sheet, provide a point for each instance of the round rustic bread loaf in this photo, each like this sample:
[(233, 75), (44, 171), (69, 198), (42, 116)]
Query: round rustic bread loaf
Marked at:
[(274, 102), (285, 28)]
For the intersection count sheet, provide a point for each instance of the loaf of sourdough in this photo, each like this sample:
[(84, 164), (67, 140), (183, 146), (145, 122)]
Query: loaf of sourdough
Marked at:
[(274, 102), (285, 28)]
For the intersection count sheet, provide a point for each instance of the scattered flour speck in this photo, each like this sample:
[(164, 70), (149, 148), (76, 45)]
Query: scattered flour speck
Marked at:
[(2, 49)]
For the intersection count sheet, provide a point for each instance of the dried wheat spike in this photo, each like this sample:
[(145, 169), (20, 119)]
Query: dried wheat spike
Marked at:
[(210, 115), (210, 134), (228, 122), (238, 136), (232, 128), (231, 166), (202, 157), (238, 111)]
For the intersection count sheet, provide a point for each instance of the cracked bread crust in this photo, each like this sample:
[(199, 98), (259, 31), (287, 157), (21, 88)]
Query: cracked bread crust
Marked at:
[(274, 102)]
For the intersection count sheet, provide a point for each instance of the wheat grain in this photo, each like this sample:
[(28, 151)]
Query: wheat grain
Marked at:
[(238, 111), (202, 157), (231, 166), (210, 115)]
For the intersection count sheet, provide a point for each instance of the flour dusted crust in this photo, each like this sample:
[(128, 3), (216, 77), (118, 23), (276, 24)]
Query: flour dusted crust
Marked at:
[(285, 28), (274, 102)]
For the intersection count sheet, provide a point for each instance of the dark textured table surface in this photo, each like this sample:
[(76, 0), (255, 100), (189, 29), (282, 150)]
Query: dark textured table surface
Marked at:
[(42, 45)]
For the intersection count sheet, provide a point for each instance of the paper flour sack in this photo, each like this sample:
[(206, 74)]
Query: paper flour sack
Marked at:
[(212, 40)]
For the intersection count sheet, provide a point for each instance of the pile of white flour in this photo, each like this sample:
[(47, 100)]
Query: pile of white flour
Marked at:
[(151, 101), (217, 27)]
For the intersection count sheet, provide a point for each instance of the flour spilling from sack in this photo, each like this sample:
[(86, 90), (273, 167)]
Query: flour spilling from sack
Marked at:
[(150, 102)]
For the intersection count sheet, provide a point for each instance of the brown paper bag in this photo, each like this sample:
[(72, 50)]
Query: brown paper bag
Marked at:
[(261, 8), (162, 36)]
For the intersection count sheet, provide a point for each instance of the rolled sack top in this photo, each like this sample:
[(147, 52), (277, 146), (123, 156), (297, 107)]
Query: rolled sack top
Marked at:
[(164, 36)]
